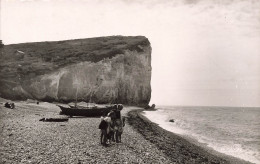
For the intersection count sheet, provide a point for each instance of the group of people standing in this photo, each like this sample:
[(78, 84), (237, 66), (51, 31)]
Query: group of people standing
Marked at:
[(111, 125)]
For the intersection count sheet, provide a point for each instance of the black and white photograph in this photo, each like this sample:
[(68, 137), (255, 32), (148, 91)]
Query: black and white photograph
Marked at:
[(130, 81)]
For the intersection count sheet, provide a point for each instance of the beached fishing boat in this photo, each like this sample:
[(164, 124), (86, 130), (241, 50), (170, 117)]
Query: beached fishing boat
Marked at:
[(93, 111), (84, 109)]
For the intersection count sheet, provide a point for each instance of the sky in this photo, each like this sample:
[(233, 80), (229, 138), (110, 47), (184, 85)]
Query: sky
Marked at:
[(204, 52)]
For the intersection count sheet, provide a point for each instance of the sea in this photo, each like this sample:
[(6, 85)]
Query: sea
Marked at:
[(233, 131)]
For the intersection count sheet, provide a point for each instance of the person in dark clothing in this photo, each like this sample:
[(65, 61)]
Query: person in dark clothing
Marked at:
[(119, 123), (118, 114), (111, 133), (103, 127)]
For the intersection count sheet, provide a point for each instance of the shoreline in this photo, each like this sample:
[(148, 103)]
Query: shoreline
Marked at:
[(25, 139), (179, 149)]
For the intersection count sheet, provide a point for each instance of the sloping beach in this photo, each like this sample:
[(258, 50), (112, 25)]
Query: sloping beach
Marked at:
[(178, 149), (25, 139)]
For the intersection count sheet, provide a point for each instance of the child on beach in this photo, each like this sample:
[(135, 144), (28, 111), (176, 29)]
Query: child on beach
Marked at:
[(119, 122), (111, 132), (103, 126), (111, 126)]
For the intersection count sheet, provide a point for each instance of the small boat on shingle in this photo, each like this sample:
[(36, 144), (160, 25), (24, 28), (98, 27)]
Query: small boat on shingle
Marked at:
[(88, 111)]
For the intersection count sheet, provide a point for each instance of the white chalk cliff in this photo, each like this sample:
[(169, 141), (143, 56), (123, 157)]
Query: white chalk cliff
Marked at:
[(113, 69)]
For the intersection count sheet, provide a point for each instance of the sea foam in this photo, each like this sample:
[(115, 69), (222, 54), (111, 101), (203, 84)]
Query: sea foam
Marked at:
[(232, 131)]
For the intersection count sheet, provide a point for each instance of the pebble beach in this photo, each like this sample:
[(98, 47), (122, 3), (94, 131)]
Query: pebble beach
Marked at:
[(25, 139)]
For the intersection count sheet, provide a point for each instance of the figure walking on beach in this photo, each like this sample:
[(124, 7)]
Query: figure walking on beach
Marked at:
[(111, 126), (111, 133), (119, 122), (104, 127)]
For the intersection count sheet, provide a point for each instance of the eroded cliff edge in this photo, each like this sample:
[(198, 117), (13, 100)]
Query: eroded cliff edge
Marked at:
[(112, 69)]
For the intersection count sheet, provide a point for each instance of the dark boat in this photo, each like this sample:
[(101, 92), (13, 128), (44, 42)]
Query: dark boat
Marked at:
[(88, 111), (85, 111)]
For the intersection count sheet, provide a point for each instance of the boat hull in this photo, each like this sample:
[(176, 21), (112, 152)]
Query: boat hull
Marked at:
[(88, 112)]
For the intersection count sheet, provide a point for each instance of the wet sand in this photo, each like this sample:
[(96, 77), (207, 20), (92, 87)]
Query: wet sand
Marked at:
[(25, 139)]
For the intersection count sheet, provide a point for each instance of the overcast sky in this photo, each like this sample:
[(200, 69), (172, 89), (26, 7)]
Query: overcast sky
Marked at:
[(204, 52)]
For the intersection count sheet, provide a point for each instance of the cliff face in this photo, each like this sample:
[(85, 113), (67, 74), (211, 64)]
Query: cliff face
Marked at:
[(102, 70)]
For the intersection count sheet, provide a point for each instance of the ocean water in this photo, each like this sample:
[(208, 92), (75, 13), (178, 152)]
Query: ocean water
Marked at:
[(233, 131)]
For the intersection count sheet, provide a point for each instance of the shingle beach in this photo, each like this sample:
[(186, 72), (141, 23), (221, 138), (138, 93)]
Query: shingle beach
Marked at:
[(25, 139)]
